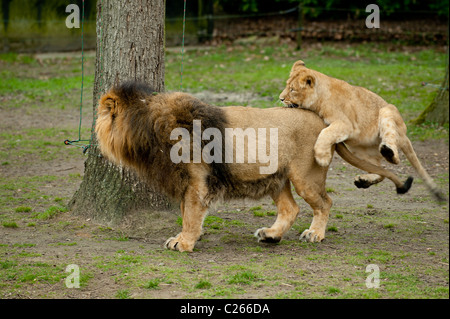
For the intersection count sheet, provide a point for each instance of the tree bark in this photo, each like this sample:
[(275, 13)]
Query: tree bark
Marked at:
[(206, 23), (130, 46), (438, 110)]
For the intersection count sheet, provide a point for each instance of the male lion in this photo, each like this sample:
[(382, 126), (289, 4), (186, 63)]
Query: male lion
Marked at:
[(371, 127), (135, 129)]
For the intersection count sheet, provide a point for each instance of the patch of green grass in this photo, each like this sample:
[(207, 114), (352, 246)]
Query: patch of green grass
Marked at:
[(333, 290), (10, 225), (245, 277), (203, 284), (32, 272), (123, 294), (389, 226), (258, 213), (332, 228), (120, 238), (7, 264), (23, 209), (51, 212), (330, 190), (152, 284), (213, 222)]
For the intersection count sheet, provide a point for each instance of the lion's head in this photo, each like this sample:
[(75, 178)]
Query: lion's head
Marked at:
[(300, 87), (119, 113)]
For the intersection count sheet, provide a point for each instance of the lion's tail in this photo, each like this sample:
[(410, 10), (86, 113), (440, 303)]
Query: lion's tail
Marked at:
[(402, 187)]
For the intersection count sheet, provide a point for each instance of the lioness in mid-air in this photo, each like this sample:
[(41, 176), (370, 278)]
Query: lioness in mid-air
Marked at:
[(138, 129), (371, 127)]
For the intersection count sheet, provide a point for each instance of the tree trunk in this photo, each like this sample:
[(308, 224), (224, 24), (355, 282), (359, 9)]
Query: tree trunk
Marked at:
[(206, 23), (438, 110), (130, 46)]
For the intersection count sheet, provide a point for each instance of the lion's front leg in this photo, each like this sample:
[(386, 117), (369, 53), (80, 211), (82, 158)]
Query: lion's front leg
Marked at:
[(193, 213), (337, 132)]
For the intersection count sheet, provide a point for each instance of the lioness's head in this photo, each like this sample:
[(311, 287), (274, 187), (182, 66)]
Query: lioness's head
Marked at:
[(299, 91)]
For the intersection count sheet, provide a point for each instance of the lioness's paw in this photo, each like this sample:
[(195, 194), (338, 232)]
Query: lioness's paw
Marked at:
[(390, 153), (177, 243), (312, 236), (361, 182), (263, 235), (323, 157)]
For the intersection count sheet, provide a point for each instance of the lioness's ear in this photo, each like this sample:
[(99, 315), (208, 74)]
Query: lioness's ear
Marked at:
[(297, 65), (310, 81)]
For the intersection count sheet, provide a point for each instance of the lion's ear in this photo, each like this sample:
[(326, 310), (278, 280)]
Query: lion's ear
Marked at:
[(108, 102), (310, 81)]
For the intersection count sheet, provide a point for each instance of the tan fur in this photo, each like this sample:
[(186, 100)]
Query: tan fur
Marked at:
[(133, 130), (370, 127)]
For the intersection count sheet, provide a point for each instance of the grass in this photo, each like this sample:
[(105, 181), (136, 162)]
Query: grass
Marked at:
[(50, 212), (203, 284), (244, 278), (10, 225)]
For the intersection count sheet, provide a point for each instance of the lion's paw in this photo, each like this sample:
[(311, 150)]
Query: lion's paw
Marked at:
[(312, 236), (263, 235), (178, 243)]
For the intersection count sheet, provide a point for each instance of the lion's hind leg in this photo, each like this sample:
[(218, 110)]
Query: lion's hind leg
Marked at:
[(287, 213), (312, 189)]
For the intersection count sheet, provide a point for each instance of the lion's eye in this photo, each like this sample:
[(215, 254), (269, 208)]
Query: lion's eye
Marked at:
[(292, 90)]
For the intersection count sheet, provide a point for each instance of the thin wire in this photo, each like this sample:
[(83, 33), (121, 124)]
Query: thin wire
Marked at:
[(77, 142), (100, 85), (82, 72), (182, 46)]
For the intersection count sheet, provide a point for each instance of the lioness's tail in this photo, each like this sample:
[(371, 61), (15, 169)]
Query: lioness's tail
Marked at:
[(408, 150), (348, 156)]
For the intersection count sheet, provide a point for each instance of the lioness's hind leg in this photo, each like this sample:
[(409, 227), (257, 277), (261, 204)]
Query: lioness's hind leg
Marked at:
[(371, 155), (390, 125), (287, 213)]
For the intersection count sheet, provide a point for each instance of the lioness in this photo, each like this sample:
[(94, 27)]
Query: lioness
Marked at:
[(135, 128), (371, 127)]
